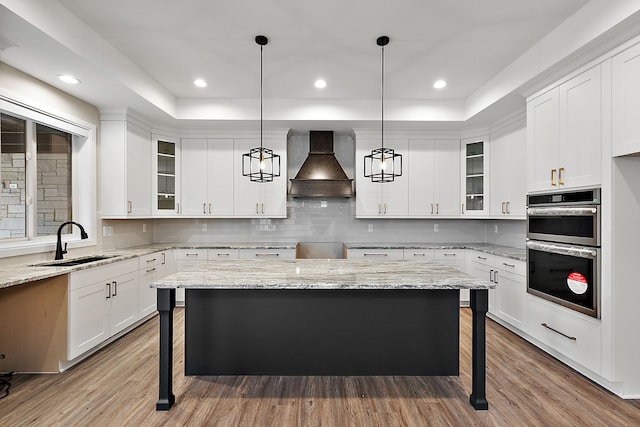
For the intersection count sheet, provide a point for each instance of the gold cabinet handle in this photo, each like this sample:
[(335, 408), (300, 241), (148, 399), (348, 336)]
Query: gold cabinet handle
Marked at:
[(385, 208), (379, 208), (431, 208), (560, 180), (569, 337), (553, 177)]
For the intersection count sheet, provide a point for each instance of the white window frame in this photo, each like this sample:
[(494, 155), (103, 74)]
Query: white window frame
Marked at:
[(83, 184)]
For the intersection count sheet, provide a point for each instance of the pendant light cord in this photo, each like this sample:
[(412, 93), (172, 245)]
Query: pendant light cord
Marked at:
[(382, 103), (261, 99)]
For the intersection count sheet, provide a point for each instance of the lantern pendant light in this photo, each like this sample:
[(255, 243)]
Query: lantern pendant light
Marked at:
[(383, 164), (260, 164)]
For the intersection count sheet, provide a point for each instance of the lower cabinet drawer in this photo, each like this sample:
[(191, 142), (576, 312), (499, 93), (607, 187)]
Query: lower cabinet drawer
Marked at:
[(567, 332), (380, 254), (267, 254)]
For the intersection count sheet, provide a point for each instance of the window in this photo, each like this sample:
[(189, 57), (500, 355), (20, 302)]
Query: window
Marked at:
[(47, 177)]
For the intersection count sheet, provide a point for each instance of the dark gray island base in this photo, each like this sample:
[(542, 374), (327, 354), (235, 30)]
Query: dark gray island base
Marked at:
[(321, 319)]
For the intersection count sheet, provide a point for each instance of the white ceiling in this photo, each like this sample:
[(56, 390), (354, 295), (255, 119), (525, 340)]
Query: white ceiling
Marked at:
[(152, 50)]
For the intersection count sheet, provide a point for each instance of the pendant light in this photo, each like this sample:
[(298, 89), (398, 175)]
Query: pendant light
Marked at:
[(383, 164), (260, 164)]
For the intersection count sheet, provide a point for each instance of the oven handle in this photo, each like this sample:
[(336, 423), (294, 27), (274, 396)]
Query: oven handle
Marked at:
[(578, 251), (565, 211)]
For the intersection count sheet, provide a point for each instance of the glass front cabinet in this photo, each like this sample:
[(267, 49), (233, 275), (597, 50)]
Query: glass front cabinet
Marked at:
[(166, 172), (474, 168)]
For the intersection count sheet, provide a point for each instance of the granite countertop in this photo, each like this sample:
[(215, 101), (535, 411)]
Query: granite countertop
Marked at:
[(503, 251), (321, 274), (30, 272)]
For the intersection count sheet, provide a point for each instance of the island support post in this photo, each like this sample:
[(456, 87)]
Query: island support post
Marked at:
[(166, 304)]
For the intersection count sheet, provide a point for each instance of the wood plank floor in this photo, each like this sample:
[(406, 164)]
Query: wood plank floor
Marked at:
[(118, 386)]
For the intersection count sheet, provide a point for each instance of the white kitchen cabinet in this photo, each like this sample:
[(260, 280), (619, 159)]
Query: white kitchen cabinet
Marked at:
[(625, 102), (434, 177), (565, 331), (125, 157), (186, 259), (88, 319), (415, 254), (259, 254), (454, 258), (474, 155), (103, 301), (166, 176), (376, 254), (507, 176), (511, 284), (378, 199), (150, 268), (564, 134), (207, 177), (481, 266), (260, 199)]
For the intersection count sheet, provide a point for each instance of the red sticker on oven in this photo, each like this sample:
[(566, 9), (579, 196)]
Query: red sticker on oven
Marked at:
[(577, 283)]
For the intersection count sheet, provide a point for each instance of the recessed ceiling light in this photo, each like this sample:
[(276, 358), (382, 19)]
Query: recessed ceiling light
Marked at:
[(439, 84), (320, 84), (200, 83), (69, 79)]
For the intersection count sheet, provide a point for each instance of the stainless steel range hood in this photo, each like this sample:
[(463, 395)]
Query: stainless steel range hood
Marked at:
[(321, 175)]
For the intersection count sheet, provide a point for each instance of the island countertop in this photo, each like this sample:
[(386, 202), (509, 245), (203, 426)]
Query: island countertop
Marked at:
[(321, 274)]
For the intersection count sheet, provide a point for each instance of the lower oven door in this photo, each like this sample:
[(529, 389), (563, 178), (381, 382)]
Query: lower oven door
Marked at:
[(565, 274)]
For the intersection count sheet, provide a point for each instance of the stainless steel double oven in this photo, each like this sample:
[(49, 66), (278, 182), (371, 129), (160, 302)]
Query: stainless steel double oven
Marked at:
[(563, 248)]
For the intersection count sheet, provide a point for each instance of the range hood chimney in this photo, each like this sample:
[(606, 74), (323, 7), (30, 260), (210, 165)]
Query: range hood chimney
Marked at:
[(321, 175)]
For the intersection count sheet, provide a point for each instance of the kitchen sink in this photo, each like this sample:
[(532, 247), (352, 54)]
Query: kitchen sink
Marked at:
[(72, 262)]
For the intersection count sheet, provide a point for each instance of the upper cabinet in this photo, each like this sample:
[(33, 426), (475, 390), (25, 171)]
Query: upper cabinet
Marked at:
[(474, 155), (260, 199), (125, 153), (207, 177), (625, 102), (507, 175), (375, 199), (166, 176), (434, 177), (564, 134)]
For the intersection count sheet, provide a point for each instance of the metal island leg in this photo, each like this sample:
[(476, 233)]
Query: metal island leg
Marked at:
[(166, 304), (479, 307)]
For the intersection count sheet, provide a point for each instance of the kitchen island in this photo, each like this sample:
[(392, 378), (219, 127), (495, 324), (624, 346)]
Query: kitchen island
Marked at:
[(321, 317)]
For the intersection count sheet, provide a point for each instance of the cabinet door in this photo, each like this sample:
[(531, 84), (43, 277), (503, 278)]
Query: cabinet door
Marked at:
[(512, 291), (138, 179), (580, 156), (420, 162), (507, 176), (474, 154), (220, 177), (88, 318), (258, 199), (447, 177), (542, 141), (481, 267), (123, 302), (395, 195), (625, 102), (166, 172), (194, 177), (151, 269)]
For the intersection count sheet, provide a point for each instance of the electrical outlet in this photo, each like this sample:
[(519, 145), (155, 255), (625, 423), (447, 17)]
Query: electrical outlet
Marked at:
[(107, 230), (495, 228), (204, 227), (435, 228), (370, 228)]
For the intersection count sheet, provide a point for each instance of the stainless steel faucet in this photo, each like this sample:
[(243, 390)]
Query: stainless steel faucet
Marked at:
[(59, 251)]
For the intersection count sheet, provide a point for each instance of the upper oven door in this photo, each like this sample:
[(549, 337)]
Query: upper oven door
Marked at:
[(570, 224)]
